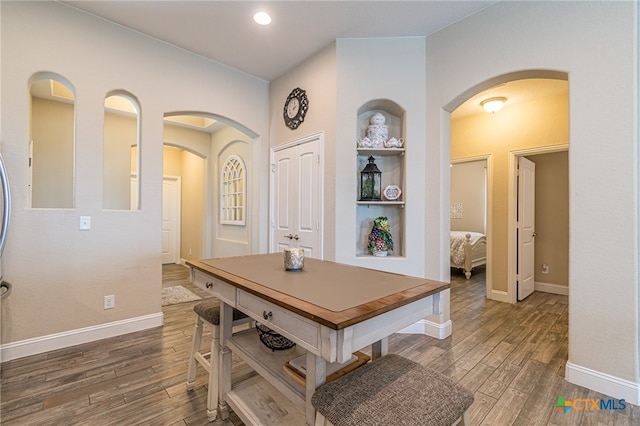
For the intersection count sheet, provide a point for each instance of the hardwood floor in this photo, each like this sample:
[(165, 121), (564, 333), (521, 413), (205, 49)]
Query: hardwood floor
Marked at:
[(511, 356)]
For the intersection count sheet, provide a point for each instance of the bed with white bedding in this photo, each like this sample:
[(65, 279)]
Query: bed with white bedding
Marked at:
[(468, 250)]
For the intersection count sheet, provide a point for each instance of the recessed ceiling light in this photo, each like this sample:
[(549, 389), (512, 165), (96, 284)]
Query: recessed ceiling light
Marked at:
[(262, 18)]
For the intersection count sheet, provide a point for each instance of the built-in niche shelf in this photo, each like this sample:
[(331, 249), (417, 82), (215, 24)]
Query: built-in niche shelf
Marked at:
[(391, 162), (382, 152), (381, 203)]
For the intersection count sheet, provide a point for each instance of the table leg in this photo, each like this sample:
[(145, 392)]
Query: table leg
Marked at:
[(316, 376), (224, 360), (380, 348)]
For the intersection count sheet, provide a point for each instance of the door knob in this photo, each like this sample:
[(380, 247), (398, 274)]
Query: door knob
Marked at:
[(295, 237), (289, 236)]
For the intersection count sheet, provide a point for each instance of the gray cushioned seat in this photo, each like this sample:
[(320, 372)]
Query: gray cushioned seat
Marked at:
[(209, 310), (392, 390)]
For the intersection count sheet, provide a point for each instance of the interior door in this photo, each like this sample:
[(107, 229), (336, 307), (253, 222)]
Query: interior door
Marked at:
[(170, 219), (297, 198), (526, 227)]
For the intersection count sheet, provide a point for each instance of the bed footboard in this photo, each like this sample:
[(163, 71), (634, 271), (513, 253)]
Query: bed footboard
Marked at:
[(474, 248)]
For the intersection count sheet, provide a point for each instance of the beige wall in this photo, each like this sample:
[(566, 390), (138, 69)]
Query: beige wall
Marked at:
[(63, 273), (120, 151), (517, 127), (233, 240), (552, 217), (468, 187), (177, 162), (317, 76), (52, 132), (192, 208), (391, 69), (596, 44)]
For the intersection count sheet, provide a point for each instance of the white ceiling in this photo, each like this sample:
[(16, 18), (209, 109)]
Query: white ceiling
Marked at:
[(224, 31)]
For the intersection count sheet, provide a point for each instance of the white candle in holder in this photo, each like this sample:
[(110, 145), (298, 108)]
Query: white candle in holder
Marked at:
[(293, 258)]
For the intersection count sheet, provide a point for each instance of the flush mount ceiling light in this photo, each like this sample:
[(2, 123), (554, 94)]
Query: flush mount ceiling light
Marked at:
[(492, 105), (262, 18)]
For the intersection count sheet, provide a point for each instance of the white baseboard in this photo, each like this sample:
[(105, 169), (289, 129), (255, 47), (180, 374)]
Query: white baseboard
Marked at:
[(551, 288), (429, 328), (65, 339), (609, 385), (500, 296)]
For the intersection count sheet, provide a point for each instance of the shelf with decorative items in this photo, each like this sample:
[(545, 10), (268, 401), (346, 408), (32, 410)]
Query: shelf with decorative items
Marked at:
[(380, 153)]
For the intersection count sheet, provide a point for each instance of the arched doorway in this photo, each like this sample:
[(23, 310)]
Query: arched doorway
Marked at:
[(194, 143), (534, 119)]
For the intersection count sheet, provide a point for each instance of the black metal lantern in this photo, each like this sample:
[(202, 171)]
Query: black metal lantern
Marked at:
[(370, 182)]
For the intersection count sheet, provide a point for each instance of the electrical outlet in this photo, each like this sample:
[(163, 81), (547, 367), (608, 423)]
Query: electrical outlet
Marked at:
[(110, 301), (545, 268)]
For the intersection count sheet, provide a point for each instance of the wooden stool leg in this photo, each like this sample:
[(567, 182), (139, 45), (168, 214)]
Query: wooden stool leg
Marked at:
[(321, 420), (195, 348), (465, 420), (224, 361), (212, 396)]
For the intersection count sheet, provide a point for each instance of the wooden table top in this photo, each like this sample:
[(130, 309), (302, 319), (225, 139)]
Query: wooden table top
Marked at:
[(333, 294)]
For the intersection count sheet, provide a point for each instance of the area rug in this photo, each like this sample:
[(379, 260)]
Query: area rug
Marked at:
[(177, 294)]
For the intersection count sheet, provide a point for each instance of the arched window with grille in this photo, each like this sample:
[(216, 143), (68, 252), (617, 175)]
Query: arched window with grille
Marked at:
[(233, 191)]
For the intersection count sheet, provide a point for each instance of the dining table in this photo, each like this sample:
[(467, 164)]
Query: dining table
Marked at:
[(329, 310)]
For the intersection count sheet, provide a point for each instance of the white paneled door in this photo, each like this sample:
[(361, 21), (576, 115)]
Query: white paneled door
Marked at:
[(526, 226), (297, 197), (170, 219)]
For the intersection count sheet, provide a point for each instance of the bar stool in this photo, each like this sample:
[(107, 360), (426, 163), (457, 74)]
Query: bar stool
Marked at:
[(392, 391), (208, 312)]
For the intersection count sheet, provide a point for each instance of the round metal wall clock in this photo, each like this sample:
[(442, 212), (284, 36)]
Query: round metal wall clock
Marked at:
[(295, 108)]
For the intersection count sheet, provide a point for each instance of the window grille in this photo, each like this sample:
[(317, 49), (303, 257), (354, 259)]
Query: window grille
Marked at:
[(233, 181)]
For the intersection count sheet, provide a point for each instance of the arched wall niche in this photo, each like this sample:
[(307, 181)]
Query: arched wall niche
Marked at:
[(121, 151), (391, 164), (394, 114), (51, 169)]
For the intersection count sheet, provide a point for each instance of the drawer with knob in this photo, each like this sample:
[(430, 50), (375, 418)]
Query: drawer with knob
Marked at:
[(216, 287), (295, 327)]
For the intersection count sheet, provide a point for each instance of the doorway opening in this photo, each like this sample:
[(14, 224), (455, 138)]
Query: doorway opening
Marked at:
[(534, 118), (471, 201), (196, 146), (549, 266)]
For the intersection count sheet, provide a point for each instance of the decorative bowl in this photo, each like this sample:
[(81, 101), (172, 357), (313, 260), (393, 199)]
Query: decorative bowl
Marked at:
[(273, 340)]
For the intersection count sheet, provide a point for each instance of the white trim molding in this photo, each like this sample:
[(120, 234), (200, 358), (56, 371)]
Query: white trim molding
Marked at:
[(500, 296), (551, 288), (66, 339), (429, 328), (603, 383)]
